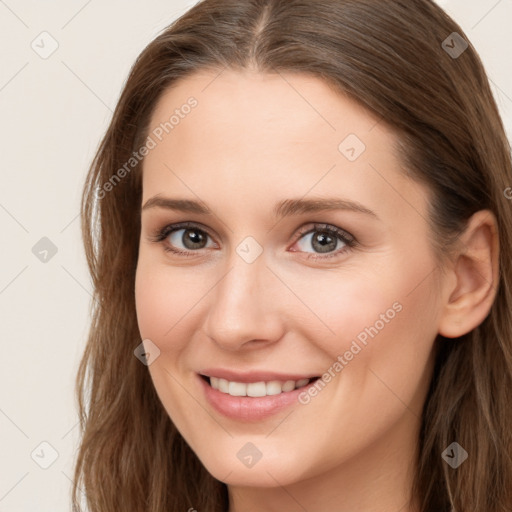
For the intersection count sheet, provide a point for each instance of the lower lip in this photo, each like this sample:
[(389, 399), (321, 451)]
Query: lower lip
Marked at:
[(246, 408)]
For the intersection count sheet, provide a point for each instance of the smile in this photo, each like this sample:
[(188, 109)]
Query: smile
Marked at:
[(258, 398), (256, 389)]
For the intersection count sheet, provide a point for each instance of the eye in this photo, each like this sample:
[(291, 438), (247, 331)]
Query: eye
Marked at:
[(183, 239), (187, 238), (325, 239), (191, 238)]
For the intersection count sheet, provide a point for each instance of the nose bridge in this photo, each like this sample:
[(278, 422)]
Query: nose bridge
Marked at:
[(241, 309)]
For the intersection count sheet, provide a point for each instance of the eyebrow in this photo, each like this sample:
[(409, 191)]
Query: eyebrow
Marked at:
[(285, 208)]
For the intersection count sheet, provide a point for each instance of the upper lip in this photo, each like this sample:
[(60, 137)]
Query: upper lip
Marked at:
[(254, 375)]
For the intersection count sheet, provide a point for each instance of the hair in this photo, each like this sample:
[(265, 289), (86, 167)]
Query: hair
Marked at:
[(387, 56)]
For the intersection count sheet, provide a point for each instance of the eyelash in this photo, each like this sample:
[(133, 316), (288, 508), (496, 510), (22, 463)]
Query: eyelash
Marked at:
[(350, 242)]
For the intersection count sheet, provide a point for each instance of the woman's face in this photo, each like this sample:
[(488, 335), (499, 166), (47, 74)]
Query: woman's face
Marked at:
[(305, 255)]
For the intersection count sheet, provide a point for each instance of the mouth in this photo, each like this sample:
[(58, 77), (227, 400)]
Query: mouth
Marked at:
[(253, 400), (256, 389)]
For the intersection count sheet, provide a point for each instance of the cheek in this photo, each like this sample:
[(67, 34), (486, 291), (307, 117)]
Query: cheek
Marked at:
[(151, 301), (384, 324), (364, 304), (161, 298), (381, 320), (165, 311), (170, 305)]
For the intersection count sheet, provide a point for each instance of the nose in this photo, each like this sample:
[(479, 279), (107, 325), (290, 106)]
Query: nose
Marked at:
[(244, 309)]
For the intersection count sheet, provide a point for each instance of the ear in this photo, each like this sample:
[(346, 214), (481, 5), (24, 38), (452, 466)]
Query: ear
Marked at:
[(473, 277)]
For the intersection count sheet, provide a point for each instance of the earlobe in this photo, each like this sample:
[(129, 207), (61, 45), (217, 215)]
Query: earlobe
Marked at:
[(475, 271)]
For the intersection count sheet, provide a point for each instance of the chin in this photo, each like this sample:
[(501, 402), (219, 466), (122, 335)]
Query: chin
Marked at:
[(269, 471)]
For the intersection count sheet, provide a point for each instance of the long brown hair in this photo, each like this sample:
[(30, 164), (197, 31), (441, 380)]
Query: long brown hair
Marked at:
[(389, 56)]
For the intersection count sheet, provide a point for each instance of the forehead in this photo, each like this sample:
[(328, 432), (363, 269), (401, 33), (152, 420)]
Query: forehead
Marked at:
[(299, 107), (270, 134)]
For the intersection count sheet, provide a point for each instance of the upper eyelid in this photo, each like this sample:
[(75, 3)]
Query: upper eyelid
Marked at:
[(318, 226)]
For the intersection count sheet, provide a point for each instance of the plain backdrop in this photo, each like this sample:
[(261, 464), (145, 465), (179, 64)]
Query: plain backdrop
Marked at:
[(54, 110)]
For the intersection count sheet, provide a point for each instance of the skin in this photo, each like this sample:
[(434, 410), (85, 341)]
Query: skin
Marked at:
[(253, 140)]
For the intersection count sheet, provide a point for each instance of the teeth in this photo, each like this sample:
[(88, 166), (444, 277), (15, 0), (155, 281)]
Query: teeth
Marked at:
[(237, 389), (223, 385), (289, 385), (274, 387), (256, 389)]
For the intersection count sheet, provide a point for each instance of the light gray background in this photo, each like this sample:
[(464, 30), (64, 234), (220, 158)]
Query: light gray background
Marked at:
[(53, 114)]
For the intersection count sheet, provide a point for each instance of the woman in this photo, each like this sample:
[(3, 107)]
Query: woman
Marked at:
[(299, 235)]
